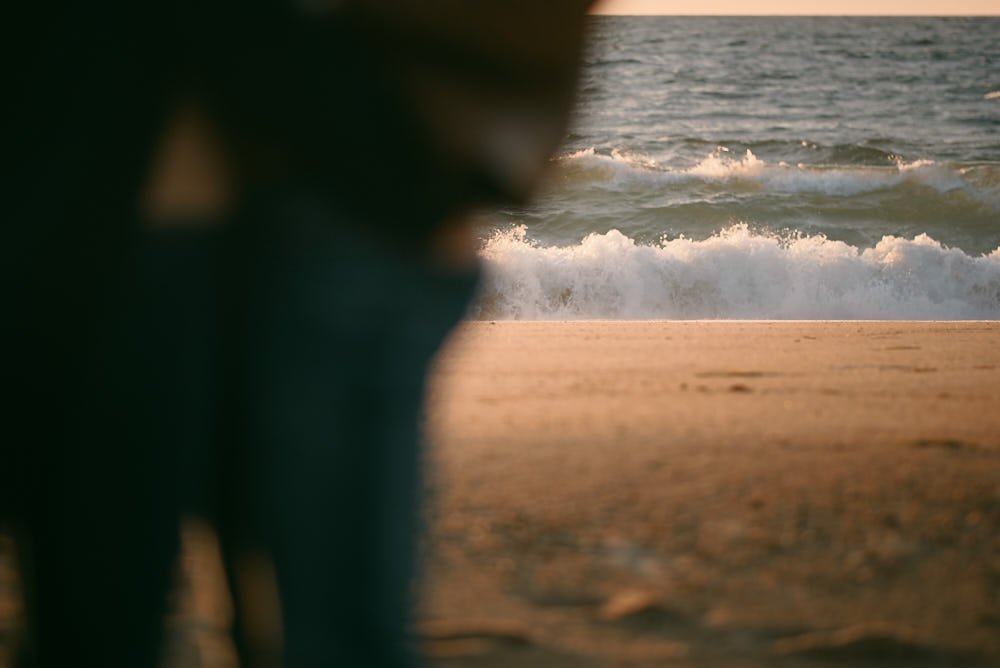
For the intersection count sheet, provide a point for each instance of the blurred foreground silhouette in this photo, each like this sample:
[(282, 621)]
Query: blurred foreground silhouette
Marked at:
[(238, 233)]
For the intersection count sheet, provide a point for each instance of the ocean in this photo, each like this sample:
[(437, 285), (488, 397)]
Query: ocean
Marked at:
[(766, 168)]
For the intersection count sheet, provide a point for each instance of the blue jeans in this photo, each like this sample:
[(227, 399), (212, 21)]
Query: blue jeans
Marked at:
[(333, 335), (267, 372)]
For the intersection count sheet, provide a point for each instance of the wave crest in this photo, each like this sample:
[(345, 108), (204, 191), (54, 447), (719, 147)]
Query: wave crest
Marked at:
[(622, 170), (737, 273)]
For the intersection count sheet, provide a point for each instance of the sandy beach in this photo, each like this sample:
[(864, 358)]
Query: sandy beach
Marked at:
[(704, 494), (714, 494)]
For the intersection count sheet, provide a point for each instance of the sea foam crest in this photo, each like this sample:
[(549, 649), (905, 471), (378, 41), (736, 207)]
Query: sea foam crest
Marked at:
[(736, 273), (622, 170)]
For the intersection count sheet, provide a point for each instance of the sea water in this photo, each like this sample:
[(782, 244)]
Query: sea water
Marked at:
[(728, 167)]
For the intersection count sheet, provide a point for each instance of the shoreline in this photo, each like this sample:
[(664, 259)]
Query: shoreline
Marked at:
[(472, 323), (742, 493)]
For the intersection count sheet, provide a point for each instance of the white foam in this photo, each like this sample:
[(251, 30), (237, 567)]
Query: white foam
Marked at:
[(735, 274), (617, 170), (720, 165), (624, 170)]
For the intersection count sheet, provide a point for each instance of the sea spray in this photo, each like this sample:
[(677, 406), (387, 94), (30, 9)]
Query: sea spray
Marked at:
[(737, 273)]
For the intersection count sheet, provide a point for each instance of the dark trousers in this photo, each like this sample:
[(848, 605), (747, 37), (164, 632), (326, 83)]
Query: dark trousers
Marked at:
[(267, 373)]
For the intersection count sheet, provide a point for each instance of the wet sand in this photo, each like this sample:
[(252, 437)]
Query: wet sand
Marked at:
[(714, 494)]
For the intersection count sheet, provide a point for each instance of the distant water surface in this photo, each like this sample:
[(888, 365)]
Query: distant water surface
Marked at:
[(728, 167)]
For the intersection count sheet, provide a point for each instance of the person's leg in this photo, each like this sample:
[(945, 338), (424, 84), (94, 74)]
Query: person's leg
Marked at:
[(99, 536), (427, 304), (338, 347)]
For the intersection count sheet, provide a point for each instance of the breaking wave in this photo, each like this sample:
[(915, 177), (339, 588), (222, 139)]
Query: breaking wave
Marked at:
[(737, 273), (624, 170)]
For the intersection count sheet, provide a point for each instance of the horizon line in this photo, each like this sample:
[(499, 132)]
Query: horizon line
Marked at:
[(815, 15)]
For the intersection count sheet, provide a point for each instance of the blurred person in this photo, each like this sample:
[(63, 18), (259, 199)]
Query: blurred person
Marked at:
[(238, 234)]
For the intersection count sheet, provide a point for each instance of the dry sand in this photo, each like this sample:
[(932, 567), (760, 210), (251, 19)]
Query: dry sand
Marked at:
[(714, 494)]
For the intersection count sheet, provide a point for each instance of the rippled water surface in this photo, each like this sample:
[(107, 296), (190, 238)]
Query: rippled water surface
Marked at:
[(768, 167)]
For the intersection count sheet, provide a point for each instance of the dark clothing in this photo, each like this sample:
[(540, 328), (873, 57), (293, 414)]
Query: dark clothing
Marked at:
[(339, 333), (265, 370), (267, 373)]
